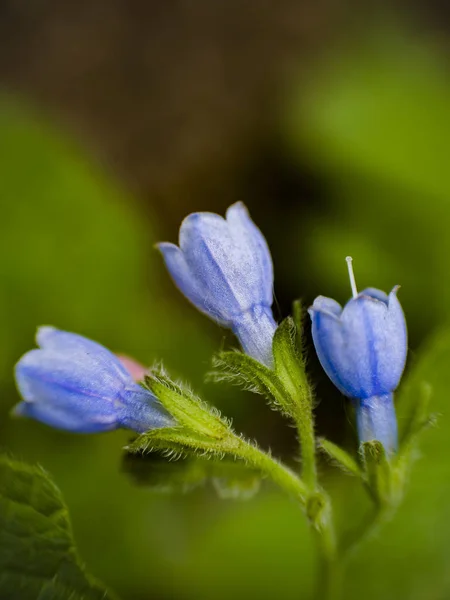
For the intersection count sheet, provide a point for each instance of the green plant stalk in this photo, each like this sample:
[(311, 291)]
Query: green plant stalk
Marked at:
[(305, 427), (330, 567), (330, 578), (330, 574), (272, 468)]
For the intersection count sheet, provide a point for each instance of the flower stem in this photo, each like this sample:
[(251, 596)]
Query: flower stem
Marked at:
[(305, 428), (329, 573), (279, 473), (318, 510), (329, 586)]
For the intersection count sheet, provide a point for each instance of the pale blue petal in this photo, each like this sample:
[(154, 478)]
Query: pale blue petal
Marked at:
[(60, 398), (392, 358), (66, 416), (184, 278), (376, 337), (81, 351), (249, 237), (327, 305), (376, 294), (226, 263), (218, 264), (78, 372), (331, 347), (364, 319)]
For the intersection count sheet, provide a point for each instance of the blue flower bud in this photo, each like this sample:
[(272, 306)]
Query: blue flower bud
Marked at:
[(73, 383), (363, 348), (224, 267)]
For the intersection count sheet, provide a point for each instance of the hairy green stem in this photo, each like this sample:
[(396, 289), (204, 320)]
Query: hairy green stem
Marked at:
[(330, 579), (317, 507), (330, 568), (279, 473), (305, 427)]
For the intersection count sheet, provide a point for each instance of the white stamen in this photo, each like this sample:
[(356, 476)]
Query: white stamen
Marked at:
[(349, 260)]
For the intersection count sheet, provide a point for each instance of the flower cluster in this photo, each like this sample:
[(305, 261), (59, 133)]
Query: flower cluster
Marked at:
[(223, 266)]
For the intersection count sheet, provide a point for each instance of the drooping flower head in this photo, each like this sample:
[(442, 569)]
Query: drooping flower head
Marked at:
[(224, 267), (75, 384), (363, 348)]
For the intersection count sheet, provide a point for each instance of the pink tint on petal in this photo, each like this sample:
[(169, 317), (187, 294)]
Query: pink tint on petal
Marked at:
[(136, 370)]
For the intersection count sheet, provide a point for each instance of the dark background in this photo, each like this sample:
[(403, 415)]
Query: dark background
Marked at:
[(329, 120)]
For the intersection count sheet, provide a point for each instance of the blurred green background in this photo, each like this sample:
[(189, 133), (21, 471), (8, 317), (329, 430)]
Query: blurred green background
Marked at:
[(332, 123)]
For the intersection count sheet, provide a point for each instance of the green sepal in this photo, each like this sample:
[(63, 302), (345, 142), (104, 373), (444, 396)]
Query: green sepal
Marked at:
[(288, 362), (340, 457), (230, 479), (285, 386), (38, 558), (176, 442), (239, 369), (378, 471), (188, 410)]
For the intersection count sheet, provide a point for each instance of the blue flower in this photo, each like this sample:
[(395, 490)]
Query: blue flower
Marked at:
[(73, 383), (224, 267), (363, 348)]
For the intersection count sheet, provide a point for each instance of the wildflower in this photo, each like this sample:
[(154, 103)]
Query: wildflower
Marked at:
[(363, 348), (224, 267), (73, 383)]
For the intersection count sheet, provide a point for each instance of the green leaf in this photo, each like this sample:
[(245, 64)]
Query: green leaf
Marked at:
[(230, 479), (38, 559), (340, 456)]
